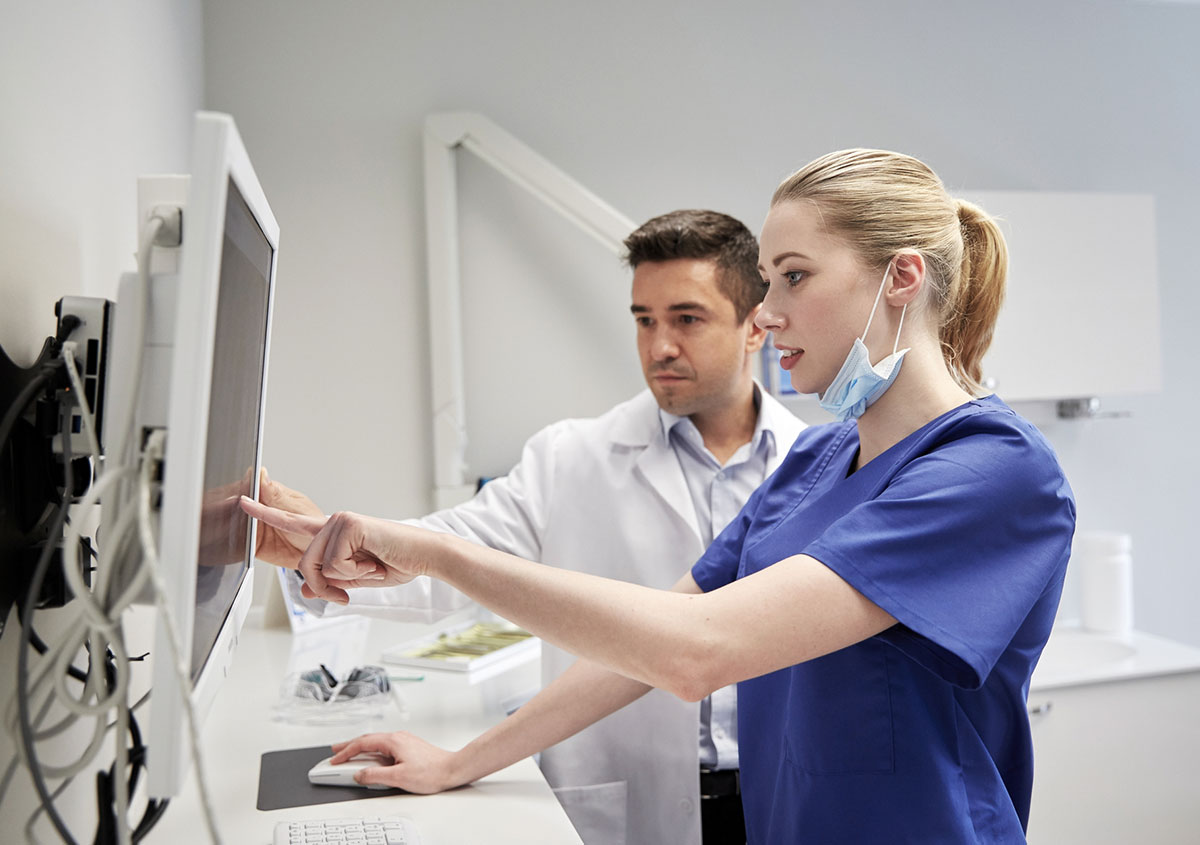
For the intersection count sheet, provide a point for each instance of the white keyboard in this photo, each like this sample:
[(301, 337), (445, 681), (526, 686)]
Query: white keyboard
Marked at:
[(367, 830)]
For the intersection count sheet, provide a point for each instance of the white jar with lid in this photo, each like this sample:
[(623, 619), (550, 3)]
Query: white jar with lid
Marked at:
[(1104, 568)]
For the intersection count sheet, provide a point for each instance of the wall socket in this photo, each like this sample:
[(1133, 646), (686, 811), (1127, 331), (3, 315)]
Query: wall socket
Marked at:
[(162, 190)]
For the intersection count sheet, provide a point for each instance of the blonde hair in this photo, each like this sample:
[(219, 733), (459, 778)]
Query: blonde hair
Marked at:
[(883, 202)]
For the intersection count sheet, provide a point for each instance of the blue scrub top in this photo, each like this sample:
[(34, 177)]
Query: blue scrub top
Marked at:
[(961, 531)]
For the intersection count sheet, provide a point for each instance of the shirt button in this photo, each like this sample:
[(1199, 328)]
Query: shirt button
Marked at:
[(686, 805)]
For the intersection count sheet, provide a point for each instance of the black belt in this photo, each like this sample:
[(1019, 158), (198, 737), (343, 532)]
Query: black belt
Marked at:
[(721, 783)]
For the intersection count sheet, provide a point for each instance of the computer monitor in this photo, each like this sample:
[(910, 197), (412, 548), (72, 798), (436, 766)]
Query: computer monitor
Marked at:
[(219, 338)]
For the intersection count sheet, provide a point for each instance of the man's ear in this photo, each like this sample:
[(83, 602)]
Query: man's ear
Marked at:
[(756, 336), (906, 279)]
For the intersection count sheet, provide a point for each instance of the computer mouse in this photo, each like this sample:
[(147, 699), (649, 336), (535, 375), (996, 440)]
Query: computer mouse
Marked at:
[(327, 774)]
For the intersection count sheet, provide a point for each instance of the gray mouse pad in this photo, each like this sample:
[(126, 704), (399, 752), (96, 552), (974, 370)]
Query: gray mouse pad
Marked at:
[(283, 781)]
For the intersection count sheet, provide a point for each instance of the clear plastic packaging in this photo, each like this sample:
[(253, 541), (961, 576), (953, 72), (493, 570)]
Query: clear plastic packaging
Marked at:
[(317, 697)]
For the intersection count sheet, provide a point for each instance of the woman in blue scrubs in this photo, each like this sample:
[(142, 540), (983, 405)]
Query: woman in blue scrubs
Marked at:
[(883, 597)]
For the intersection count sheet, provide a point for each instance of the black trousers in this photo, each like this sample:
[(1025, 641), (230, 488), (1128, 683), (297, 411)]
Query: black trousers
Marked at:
[(721, 818), (721, 821)]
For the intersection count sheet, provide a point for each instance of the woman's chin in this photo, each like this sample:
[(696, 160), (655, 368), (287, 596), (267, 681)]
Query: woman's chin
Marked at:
[(803, 386)]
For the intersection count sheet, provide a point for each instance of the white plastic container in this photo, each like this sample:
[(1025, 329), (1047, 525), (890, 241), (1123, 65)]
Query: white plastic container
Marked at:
[(1104, 567)]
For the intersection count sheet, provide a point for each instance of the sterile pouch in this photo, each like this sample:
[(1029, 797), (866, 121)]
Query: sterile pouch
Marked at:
[(317, 697)]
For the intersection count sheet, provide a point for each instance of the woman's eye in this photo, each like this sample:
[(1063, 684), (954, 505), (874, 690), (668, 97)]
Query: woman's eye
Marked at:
[(794, 277)]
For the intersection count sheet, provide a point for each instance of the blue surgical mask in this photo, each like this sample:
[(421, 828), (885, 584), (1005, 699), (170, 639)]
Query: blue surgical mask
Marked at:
[(858, 384)]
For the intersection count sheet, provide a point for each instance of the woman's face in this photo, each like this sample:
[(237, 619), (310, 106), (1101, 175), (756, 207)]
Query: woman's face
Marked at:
[(818, 297)]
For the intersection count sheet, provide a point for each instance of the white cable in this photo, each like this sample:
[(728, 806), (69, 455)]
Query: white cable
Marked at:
[(122, 440), (74, 632), (29, 834), (55, 665), (85, 411), (141, 305), (72, 570), (126, 528), (54, 730), (154, 451), (61, 661), (41, 677), (12, 766), (125, 442), (90, 622), (8, 774), (16, 759), (96, 615), (95, 626)]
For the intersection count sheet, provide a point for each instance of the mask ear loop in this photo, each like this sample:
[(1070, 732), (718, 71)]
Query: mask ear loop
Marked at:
[(896, 345), (879, 293)]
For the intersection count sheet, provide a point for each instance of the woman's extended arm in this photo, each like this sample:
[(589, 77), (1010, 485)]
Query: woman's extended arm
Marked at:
[(687, 643)]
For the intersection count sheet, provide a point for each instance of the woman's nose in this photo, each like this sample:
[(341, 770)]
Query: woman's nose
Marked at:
[(768, 319)]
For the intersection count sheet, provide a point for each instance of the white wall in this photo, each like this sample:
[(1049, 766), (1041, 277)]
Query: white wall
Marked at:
[(92, 96), (652, 105), (662, 105)]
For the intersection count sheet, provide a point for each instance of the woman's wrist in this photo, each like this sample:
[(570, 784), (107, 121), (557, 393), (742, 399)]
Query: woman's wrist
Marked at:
[(463, 766)]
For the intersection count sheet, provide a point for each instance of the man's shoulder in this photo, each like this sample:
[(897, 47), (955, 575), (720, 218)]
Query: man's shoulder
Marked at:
[(631, 420)]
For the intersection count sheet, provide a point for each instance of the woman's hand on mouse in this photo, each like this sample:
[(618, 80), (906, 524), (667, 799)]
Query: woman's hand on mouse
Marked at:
[(417, 766)]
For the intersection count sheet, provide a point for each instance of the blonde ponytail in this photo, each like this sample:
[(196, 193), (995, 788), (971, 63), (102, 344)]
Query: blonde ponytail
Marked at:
[(974, 298)]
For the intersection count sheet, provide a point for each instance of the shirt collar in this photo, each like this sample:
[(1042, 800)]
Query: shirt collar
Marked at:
[(762, 437)]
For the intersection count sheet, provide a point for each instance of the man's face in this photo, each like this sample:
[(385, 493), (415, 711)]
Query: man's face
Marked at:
[(695, 353)]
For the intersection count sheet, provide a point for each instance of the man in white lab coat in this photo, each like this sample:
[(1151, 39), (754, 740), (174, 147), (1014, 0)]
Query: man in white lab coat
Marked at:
[(637, 494)]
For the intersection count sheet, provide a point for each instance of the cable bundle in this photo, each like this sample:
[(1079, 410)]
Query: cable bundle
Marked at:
[(126, 567)]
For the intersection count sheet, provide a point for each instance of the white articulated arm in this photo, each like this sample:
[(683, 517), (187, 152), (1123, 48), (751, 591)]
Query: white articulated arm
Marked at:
[(445, 133)]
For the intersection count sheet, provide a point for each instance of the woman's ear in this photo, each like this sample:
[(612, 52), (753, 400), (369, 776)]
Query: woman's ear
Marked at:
[(906, 279)]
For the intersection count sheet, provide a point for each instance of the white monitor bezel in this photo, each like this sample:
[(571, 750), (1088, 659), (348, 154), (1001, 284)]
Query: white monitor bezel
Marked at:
[(218, 157)]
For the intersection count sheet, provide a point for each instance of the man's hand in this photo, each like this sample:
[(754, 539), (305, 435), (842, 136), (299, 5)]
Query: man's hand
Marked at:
[(222, 524), (282, 548), (348, 550), (417, 766)]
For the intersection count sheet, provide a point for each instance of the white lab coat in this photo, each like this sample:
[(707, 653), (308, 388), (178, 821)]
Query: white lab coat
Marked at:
[(605, 496)]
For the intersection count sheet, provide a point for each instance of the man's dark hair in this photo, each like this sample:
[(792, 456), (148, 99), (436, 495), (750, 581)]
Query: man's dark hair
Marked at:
[(704, 235)]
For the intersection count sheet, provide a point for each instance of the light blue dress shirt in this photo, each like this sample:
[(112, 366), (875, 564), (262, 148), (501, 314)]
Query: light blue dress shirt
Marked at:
[(718, 493)]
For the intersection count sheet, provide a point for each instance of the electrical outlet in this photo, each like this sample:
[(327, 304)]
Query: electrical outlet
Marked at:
[(91, 339), (157, 192)]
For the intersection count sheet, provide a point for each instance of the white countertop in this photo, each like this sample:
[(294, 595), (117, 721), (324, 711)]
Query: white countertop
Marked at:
[(1074, 657), (514, 805)]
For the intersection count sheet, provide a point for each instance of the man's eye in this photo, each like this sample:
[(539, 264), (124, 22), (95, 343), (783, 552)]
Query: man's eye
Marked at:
[(687, 318)]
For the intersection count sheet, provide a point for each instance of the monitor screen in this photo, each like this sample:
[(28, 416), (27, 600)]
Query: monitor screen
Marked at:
[(239, 349)]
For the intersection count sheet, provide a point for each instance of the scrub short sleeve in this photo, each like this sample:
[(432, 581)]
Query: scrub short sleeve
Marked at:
[(958, 547), (719, 564)]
